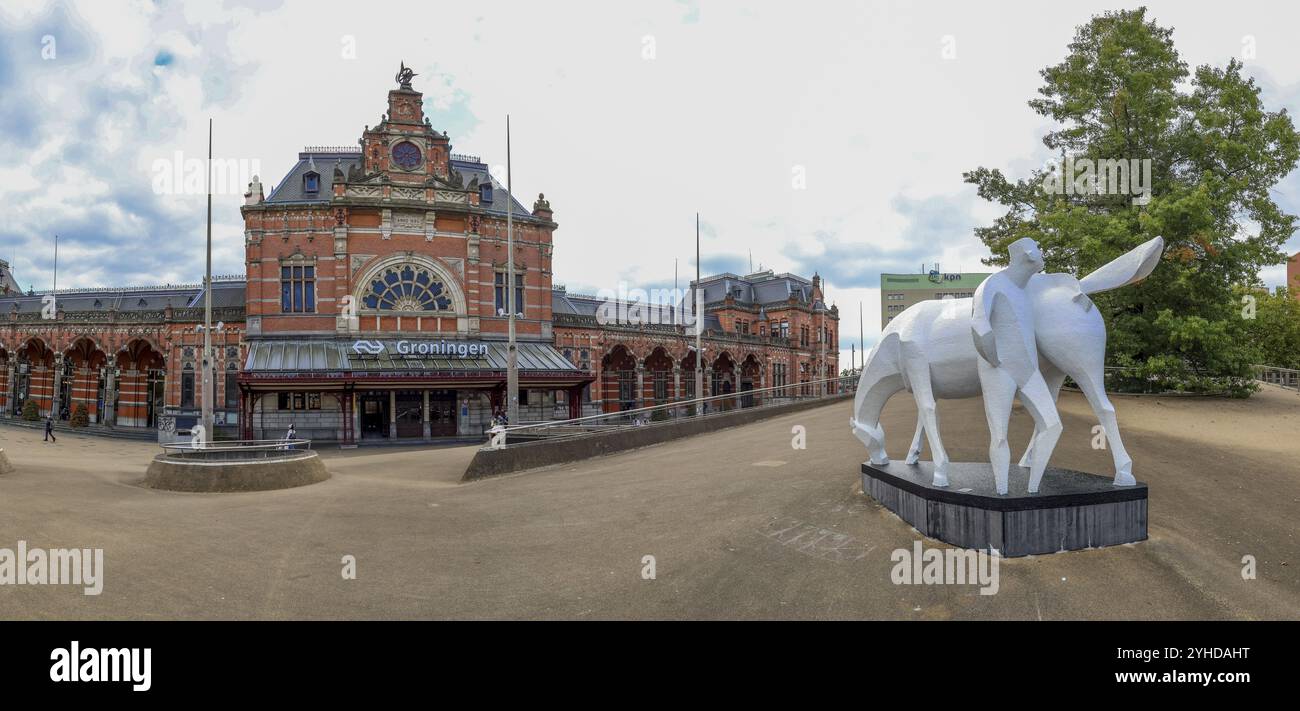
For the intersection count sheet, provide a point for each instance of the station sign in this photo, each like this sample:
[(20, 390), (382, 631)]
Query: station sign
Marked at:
[(418, 349)]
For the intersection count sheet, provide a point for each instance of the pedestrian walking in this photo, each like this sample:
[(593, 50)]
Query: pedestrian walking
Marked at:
[(49, 430)]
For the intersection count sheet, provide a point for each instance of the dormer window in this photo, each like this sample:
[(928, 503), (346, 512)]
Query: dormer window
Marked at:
[(485, 192), (311, 182)]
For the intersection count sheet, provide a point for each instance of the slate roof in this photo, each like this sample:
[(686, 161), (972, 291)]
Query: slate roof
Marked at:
[(758, 289), (225, 294), (289, 190), (563, 302)]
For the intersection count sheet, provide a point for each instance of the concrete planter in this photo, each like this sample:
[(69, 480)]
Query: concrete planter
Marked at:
[(225, 476)]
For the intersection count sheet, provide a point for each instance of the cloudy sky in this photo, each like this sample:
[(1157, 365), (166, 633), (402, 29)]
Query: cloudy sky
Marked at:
[(816, 136)]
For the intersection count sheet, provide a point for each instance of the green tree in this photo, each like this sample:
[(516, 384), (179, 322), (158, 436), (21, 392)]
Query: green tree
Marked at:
[(30, 412), (1123, 93), (1274, 329)]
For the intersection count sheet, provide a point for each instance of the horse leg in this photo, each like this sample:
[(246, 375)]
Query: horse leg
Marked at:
[(918, 374), (1096, 393), (914, 452), (1055, 379), (881, 378)]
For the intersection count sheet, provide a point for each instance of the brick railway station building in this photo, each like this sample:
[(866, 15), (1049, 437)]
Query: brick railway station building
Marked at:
[(374, 309)]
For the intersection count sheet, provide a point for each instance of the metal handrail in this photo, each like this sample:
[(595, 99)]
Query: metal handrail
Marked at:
[(783, 392), (1275, 375), (227, 450)]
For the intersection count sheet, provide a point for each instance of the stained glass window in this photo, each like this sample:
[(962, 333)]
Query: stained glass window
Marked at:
[(407, 288)]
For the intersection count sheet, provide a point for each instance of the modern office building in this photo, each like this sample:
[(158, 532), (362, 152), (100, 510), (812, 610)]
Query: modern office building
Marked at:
[(899, 291)]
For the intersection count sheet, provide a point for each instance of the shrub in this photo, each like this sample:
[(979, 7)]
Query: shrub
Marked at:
[(80, 416), (30, 411)]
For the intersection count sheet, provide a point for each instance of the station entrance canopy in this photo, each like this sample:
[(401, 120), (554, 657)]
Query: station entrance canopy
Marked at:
[(405, 360)]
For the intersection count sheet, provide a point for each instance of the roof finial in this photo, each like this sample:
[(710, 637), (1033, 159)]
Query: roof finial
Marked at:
[(404, 77)]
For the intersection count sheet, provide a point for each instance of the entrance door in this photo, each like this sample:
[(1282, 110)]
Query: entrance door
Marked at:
[(154, 387), (410, 406), (442, 413), (374, 415)]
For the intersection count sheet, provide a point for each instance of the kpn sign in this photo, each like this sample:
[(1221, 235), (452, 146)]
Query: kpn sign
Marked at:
[(450, 349)]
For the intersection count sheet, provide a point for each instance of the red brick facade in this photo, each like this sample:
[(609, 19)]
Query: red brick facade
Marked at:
[(125, 366)]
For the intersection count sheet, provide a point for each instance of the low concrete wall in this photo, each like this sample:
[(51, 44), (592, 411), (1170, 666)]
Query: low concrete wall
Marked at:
[(541, 453), (5, 466), (263, 475)]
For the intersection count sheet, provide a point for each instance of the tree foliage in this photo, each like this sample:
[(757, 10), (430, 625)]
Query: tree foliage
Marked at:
[(1274, 329), (1216, 151)]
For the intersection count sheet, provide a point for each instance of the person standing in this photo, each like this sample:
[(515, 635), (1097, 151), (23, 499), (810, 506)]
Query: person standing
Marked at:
[(49, 430)]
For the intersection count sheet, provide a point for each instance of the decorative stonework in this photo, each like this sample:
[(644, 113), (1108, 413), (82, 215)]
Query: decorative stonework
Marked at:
[(457, 265), (455, 198), (364, 191), (408, 221), (359, 260), (400, 193)]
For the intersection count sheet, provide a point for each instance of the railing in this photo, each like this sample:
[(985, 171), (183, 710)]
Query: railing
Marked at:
[(1282, 377), (668, 412), (237, 450)]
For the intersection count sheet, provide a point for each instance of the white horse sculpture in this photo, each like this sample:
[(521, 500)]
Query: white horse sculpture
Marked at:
[(929, 351)]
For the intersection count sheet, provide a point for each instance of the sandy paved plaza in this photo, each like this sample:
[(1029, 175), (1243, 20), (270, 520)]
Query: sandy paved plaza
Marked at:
[(740, 524)]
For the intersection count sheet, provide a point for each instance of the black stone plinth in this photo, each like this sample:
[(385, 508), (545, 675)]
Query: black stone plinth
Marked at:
[(1072, 510)]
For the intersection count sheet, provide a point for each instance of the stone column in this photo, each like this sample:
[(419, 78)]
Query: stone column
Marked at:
[(392, 414), (12, 385), (56, 406), (640, 382), (677, 381), (425, 414), (109, 396)]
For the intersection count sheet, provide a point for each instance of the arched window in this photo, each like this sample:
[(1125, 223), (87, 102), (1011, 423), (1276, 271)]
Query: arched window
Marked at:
[(407, 287)]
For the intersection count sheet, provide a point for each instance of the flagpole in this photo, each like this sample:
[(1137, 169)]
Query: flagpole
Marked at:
[(699, 321), (206, 411), (512, 355), (55, 405)]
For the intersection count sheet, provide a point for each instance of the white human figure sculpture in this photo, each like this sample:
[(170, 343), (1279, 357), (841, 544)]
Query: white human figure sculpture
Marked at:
[(929, 350), (1002, 329)]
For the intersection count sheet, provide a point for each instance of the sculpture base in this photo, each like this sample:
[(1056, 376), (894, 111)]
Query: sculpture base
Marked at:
[(1071, 511)]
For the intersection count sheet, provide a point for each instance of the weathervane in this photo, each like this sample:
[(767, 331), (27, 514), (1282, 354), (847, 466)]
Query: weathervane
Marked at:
[(404, 76)]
